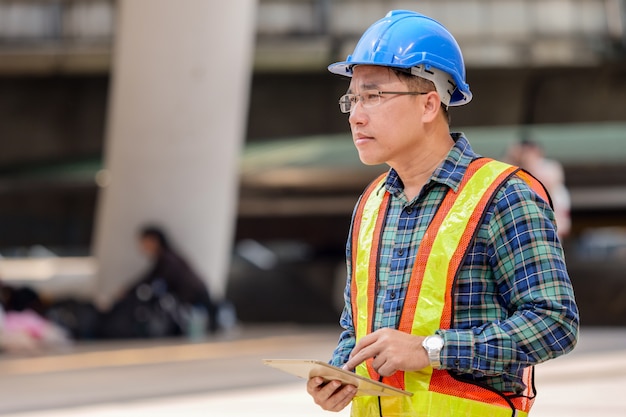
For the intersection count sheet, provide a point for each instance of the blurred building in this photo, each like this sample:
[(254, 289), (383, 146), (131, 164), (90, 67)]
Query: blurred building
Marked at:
[(556, 68)]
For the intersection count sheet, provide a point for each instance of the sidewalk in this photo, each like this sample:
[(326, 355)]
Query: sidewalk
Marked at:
[(586, 383), (568, 389), (589, 382)]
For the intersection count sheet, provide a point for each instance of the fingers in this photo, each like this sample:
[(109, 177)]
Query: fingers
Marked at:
[(330, 396), (381, 363), (363, 350), (391, 350), (383, 366), (357, 358)]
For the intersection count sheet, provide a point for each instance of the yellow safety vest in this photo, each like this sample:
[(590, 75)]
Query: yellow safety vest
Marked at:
[(428, 303)]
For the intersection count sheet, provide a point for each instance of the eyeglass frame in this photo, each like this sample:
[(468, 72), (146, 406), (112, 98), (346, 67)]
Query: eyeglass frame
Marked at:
[(346, 98)]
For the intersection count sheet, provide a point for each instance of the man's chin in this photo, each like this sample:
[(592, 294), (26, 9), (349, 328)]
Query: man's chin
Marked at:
[(370, 161)]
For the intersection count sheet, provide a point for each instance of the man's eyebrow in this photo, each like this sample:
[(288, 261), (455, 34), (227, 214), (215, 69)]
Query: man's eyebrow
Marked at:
[(365, 87)]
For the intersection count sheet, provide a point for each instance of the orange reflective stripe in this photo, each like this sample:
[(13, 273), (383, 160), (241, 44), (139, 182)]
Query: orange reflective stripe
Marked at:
[(536, 185), (365, 242), (424, 254)]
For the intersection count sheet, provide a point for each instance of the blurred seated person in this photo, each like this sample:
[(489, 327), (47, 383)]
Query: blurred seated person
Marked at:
[(157, 297)]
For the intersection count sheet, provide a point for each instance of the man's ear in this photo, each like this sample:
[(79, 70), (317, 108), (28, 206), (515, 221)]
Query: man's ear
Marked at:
[(432, 105)]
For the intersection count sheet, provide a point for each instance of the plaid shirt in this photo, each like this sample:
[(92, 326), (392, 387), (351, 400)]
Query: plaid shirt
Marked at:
[(513, 301)]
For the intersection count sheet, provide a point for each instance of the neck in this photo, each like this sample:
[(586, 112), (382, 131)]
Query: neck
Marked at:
[(416, 172)]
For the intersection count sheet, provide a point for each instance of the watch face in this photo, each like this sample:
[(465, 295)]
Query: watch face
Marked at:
[(434, 342)]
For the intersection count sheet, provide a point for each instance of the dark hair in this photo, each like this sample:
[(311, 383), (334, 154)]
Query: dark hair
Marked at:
[(421, 84), (156, 233)]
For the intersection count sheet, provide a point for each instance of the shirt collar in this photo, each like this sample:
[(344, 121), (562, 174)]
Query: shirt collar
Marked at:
[(449, 173)]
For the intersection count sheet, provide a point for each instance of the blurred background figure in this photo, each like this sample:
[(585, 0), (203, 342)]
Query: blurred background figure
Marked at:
[(20, 298), (529, 155), (169, 299), (23, 327)]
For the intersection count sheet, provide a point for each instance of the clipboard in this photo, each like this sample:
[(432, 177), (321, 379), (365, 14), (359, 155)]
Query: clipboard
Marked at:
[(308, 368)]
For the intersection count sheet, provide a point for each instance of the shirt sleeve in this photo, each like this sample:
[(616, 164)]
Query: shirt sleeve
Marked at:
[(536, 318), (347, 339), (346, 342)]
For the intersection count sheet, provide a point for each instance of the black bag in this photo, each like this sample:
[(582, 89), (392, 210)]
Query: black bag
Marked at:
[(80, 319), (140, 316)]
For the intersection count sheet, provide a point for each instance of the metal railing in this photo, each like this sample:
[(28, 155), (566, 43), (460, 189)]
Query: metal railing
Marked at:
[(31, 22), (512, 18), (500, 32)]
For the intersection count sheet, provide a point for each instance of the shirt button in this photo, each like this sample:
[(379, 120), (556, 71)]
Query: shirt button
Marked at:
[(409, 210), (392, 295), (400, 252)]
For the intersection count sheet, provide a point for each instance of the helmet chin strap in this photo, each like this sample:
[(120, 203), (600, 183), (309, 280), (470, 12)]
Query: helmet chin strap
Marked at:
[(444, 83)]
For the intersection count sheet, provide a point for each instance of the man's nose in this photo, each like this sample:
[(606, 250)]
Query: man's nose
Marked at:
[(357, 115)]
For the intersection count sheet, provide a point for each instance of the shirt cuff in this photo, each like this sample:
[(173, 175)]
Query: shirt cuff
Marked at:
[(458, 350)]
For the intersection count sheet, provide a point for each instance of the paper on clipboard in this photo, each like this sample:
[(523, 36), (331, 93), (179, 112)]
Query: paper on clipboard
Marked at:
[(308, 368)]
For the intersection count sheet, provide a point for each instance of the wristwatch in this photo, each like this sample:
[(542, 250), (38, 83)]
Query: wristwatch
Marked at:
[(433, 345)]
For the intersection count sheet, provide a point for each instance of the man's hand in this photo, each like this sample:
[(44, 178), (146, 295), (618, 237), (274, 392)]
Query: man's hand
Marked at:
[(392, 351), (331, 396)]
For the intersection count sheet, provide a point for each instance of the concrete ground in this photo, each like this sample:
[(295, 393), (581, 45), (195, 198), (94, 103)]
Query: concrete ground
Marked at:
[(224, 376)]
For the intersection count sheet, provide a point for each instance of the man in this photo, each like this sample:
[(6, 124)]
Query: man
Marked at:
[(457, 284)]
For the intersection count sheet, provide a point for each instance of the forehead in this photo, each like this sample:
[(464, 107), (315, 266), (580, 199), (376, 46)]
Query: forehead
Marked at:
[(372, 76)]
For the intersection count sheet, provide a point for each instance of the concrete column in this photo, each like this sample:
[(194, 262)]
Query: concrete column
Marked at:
[(176, 124)]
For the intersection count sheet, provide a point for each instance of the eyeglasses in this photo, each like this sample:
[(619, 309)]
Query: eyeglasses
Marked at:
[(369, 98)]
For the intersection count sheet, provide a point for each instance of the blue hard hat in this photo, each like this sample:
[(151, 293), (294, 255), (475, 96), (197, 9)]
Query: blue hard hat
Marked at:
[(409, 40)]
